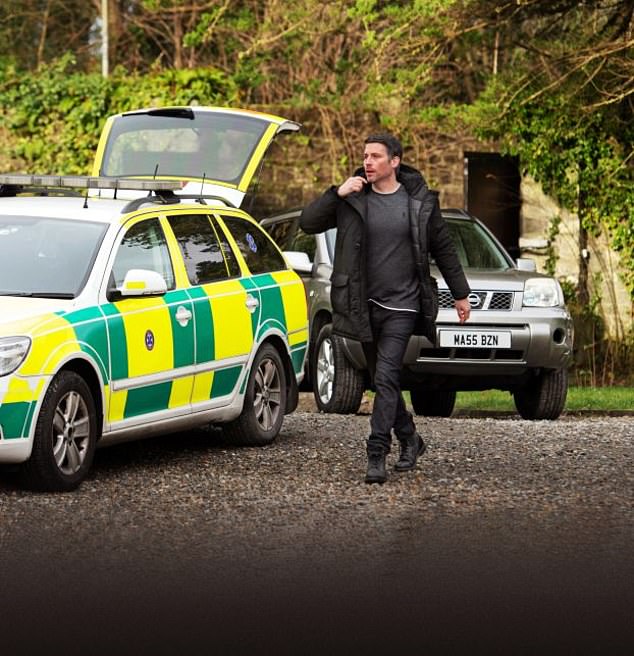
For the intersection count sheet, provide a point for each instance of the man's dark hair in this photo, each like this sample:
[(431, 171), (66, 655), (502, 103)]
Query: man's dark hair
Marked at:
[(393, 145)]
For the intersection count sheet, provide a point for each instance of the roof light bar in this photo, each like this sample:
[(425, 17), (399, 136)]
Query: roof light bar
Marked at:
[(90, 182)]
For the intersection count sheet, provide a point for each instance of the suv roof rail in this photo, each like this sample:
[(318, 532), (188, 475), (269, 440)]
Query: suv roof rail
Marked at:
[(456, 210), (13, 184), (284, 214)]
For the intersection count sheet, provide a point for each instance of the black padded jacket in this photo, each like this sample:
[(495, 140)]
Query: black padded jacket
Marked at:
[(430, 235)]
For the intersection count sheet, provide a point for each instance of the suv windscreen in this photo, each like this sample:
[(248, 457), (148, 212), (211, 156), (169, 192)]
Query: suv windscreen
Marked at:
[(475, 247), (48, 257), (212, 145)]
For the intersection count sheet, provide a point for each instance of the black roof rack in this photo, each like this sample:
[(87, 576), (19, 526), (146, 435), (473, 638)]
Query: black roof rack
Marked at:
[(169, 198)]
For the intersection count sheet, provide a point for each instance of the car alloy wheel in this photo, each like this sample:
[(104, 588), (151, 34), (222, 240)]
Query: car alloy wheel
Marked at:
[(65, 436), (337, 386), (325, 371), (71, 433), (264, 404), (267, 393)]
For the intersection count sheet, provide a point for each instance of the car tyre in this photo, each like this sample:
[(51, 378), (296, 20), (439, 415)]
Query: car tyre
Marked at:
[(432, 403), (544, 397), (264, 402), (65, 436), (337, 386)]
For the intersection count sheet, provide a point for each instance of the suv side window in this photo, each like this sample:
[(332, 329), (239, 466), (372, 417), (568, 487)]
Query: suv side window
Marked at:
[(303, 243), (255, 245), (144, 247), (206, 258), (290, 237), (282, 232)]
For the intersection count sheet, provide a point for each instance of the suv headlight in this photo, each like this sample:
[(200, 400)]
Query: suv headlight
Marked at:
[(13, 350), (542, 292)]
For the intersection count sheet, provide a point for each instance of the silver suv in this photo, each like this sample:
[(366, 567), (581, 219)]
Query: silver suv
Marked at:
[(519, 337)]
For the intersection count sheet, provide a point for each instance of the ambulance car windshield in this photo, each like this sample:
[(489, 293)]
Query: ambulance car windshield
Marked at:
[(46, 257)]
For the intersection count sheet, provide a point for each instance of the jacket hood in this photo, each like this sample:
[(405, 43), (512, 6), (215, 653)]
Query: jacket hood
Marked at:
[(412, 179)]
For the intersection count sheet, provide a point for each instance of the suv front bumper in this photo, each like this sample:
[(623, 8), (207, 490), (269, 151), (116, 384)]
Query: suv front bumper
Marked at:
[(540, 338)]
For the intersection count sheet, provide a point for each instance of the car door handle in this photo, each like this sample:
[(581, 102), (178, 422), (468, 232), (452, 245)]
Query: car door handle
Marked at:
[(252, 303), (183, 315)]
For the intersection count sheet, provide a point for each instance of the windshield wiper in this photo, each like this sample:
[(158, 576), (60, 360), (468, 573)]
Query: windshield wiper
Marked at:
[(62, 295)]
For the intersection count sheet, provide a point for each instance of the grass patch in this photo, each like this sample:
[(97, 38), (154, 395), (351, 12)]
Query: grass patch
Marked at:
[(589, 399)]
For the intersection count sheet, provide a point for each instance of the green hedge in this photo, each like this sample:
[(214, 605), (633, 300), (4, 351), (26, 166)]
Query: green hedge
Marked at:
[(53, 117)]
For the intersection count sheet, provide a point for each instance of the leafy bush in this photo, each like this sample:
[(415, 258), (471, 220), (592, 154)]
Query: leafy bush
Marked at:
[(55, 115)]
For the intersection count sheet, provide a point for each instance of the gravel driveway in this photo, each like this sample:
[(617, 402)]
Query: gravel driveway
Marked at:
[(511, 536)]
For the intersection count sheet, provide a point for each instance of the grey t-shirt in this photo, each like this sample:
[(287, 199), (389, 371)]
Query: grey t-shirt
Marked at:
[(391, 269)]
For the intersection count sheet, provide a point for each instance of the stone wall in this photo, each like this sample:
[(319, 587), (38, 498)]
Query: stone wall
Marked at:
[(304, 166), (538, 211)]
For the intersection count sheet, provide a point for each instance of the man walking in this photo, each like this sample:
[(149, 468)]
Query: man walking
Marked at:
[(388, 222)]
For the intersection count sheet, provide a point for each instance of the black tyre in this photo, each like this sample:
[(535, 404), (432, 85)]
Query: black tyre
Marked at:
[(337, 386), (264, 402), (544, 397), (432, 403), (65, 436), (310, 379)]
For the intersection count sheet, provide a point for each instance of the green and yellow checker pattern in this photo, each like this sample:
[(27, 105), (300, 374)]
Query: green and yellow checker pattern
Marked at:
[(145, 359)]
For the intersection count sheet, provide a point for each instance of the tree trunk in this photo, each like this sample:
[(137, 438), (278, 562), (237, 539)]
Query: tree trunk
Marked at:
[(583, 293), (178, 41), (115, 29), (42, 41)]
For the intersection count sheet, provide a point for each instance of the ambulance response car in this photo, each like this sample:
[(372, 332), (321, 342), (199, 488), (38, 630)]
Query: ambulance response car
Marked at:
[(147, 311)]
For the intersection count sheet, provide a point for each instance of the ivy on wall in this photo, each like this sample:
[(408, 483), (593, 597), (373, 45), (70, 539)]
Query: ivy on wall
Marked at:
[(577, 161)]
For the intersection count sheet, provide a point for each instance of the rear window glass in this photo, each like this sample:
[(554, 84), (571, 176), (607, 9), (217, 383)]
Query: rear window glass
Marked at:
[(192, 145)]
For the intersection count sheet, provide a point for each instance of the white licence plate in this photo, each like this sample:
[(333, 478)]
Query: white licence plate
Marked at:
[(499, 339)]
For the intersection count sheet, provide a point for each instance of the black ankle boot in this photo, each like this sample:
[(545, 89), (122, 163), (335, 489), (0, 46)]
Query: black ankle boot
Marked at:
[(411, 449), (376, 467)]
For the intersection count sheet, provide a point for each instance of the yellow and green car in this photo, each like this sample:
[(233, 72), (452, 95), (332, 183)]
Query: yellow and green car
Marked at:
[(137, 308)]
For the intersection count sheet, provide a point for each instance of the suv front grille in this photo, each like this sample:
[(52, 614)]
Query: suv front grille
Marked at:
[(501, 301), (485, 300)]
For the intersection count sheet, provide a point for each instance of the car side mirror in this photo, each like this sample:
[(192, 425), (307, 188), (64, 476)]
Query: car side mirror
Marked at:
[(525, 264), (140, 282), (299, 261)]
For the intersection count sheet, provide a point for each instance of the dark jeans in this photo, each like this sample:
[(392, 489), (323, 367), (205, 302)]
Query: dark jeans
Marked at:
[(391, 331)]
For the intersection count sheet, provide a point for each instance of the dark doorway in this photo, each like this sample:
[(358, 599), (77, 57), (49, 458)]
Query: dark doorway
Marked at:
[(492, 193)]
